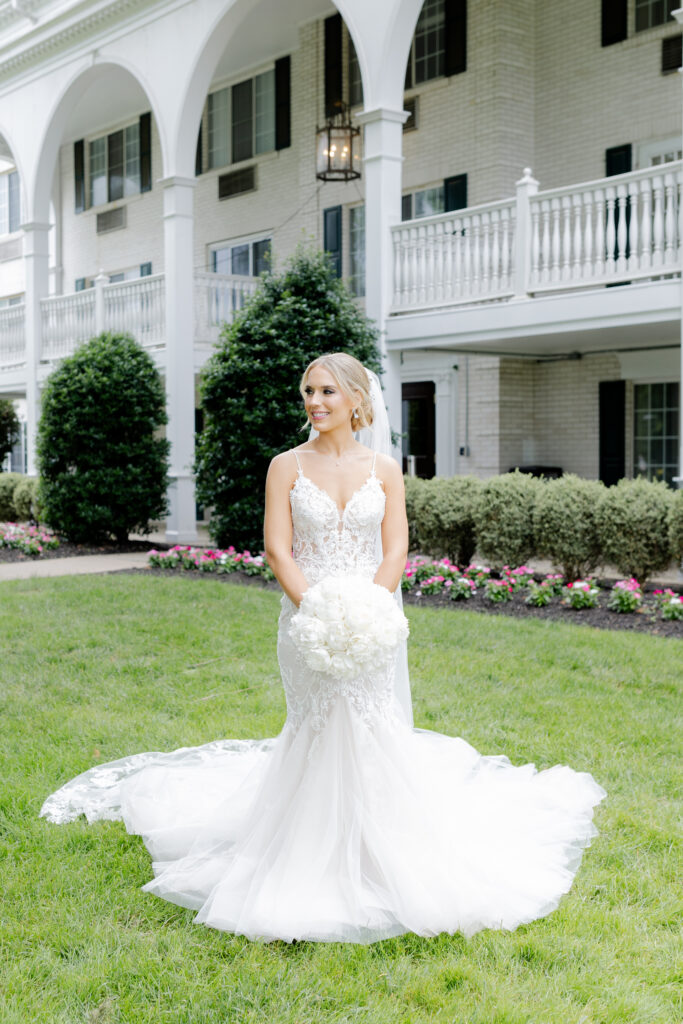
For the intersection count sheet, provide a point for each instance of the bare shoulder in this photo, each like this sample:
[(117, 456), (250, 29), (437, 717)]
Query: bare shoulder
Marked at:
[(283, 467), (388, 470)]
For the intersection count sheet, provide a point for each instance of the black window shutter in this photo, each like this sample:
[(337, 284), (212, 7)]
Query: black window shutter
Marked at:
[(79, 175), (618, 160), (333, 64), (146, 152), (455, 35), (614, 21), (332, 236), (145, 270), (455, 192), (283, 136), (14, 202), (115, 167), (407, 207), (198, 152), (80, 284), (612, 419)]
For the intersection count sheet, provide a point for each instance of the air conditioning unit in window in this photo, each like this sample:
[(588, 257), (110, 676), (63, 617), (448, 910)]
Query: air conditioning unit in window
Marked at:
[(111, 220), (236, 182), (672, 52)]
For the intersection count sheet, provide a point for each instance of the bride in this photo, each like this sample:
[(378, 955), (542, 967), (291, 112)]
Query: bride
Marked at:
[(350, 825)]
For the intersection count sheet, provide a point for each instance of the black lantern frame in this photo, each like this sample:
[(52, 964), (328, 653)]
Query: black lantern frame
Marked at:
[(338, 148)]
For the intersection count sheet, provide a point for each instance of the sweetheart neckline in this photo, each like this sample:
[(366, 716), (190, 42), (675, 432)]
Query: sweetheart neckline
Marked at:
[(340, 512)]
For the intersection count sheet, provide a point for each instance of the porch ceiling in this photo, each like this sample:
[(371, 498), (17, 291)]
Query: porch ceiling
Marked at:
[(644, 315)]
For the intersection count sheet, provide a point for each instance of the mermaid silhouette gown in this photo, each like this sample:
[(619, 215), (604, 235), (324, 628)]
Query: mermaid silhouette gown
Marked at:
[(350, 825)]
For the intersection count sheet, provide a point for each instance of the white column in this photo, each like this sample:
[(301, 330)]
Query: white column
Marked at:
[(37, 271), (527, 186), (181, 525), (445, 423), (382, 160)]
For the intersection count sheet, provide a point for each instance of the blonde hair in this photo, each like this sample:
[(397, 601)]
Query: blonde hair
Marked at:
[(351, 376)]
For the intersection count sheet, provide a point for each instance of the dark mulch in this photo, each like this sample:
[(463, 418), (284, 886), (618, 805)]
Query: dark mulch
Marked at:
[(601, 618), (68, 550)]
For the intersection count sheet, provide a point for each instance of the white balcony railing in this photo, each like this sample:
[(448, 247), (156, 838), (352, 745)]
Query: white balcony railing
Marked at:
[(12, 336), (66, 321), (217, 297), (619, 229), (138, 308)]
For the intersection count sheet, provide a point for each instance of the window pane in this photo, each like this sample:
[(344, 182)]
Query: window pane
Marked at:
[(355, 80), (115, 165), (260, 256), (264, 112), (357, 249), (240, 259), (14, 201), (655, 454), (671, 395), (218, 128), (220, 261), (429, 201), (132, 161), (657, 396), (4, 204), (429, 41), (242, 121), (98, 171)]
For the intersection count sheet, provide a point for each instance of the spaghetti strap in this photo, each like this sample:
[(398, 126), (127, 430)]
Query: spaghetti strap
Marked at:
[(296, 456), (374, 460)]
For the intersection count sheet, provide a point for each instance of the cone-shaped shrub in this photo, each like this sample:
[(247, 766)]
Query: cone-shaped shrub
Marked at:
[(445, 511), (504, 518), (102, 465), (633, 522), (566, 524), (250, 387)]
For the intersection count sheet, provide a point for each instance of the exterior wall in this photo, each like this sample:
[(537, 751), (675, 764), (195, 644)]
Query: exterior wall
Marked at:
[(479, 414), (11, 275)]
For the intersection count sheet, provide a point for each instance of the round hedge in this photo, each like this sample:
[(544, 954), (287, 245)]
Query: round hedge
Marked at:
[(102, 465), (8, 482), (444, 512), (633, 522), (504, 518), (566, 524), (676, 525), (25, 498), (250, 387)]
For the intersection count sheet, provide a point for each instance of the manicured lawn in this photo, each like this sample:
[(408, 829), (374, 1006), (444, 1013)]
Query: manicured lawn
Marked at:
[(95, 668)]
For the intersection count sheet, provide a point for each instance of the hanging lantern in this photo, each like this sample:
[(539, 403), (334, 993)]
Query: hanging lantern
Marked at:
[(338, 150)]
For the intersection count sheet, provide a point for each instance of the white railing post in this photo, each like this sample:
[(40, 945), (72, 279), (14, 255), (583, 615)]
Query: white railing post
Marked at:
[(527, 186), (100, 316)]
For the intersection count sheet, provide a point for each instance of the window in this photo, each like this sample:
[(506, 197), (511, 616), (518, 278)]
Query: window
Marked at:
[(652, 154), (424, 203), (357, 250), (655, 431), (115, 165), (653, 12), (242, 120), (355, 80), (10, 214), (428, 51), (248, 258), (13, 300)]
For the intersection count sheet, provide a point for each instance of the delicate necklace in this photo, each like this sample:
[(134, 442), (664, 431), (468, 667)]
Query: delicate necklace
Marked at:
[(337, 459)]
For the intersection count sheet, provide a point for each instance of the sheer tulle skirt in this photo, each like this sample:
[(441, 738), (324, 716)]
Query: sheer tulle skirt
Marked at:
[(354, 832)]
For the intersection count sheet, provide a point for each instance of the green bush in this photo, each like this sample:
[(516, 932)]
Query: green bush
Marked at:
[(633, 522), (504, 518), (103, 467), (8, 481), (566, 524), (414, 486), (9, 427), (25, 497), (676, 525), (250, 387), (445, 510)]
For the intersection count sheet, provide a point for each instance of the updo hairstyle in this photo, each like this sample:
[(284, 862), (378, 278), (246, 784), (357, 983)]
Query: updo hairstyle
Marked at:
[(351, 376)]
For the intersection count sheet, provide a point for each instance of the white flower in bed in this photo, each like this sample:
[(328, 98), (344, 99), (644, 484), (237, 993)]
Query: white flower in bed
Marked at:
[(347, 626)]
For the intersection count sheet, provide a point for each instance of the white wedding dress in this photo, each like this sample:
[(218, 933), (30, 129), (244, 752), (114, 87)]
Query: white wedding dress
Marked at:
[(350, 825)]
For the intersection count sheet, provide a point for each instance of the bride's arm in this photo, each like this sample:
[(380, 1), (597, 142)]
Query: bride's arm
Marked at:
[(394, 526), (277, 529)]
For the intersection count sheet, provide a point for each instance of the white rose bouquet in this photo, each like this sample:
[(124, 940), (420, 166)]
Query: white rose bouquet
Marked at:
[(348, 626)]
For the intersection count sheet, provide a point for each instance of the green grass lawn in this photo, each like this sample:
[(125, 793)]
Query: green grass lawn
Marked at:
[(95, 668)]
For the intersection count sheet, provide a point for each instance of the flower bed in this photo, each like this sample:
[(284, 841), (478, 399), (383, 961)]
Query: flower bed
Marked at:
[(214, 560), (30, 540)]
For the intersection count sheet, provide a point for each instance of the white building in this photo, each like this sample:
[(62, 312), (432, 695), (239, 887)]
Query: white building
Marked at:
[(153, 152)]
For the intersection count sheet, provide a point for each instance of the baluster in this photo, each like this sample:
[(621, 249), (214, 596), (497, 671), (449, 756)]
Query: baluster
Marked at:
[(485, 252), (414, 266), (476, 254), (407, 265), (396, 238), (658, 222), (611, 232), (646, 223), (577, 237), (566, 238), (545, 241), (622, 230), (457, 257), (556, 243), (448, 260), (439, 229), (505, 249), (633, 227), (467, 239), (421, 266), (587, 200), (495, 250), (429, 262), (535, 243), (669, 221)]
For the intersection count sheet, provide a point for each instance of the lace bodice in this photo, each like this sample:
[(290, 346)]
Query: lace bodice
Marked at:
[(328, 542)]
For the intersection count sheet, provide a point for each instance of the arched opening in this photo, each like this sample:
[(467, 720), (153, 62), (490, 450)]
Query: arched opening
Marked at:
[(12, 287)]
